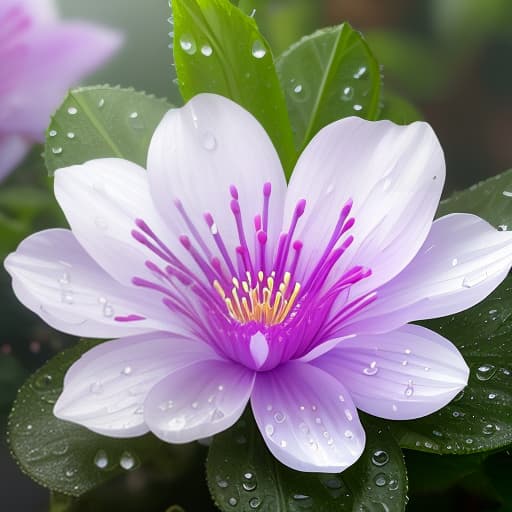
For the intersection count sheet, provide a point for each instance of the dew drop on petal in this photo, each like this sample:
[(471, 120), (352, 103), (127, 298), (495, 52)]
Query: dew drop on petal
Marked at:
[(269, 430), (209, 142)]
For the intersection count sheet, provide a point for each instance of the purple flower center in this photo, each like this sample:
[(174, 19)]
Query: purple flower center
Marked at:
[(250, 305)]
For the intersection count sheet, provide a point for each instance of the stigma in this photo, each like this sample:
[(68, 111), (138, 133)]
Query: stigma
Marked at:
[(259, 298)]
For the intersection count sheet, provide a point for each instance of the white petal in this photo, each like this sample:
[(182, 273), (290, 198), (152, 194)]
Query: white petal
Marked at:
[(198, 401), (394, 176), (462, 261), (105, 389), (198, 152), (307, 418), (56, 279), (400, 375), (101, 200)]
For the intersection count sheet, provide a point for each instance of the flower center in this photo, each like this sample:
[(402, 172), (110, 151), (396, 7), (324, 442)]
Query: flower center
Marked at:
[(262, 301)]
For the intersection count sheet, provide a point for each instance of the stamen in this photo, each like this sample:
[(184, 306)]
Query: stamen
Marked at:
[(267, 190)]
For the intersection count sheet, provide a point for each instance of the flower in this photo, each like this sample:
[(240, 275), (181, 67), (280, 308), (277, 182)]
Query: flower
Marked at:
[(225, 286), (40, 58)]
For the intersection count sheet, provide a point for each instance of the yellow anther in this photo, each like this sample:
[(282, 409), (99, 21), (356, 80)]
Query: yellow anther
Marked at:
[(247, 303)]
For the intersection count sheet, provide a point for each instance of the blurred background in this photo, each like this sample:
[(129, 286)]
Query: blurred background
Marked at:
[(451, 58)]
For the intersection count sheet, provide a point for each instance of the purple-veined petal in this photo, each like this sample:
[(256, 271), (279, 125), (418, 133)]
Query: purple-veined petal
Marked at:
[(101, 200), (394, 176), (198, 152), (307, 418), (462, 261), (400, 375), (55, 278), (198, 401), (55, 56), (12, 151), (106, 388)]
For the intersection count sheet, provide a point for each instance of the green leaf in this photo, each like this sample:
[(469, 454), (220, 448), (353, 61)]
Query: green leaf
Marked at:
[(62, 456), (480, 418), (490, 199), (328, 75), (243, 475), (102, 121), (219, 49), (398, 110)]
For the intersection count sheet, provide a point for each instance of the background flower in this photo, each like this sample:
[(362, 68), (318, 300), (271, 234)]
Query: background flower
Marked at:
[(40, 58)]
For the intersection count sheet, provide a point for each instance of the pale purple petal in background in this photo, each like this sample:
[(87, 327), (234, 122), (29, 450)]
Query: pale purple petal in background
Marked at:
[(401, 375), (40, 59), (13, 149), (307, 418)]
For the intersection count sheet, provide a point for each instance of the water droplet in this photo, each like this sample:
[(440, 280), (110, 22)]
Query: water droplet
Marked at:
[(101, 103), (258, 49), (407, 351), (380, 458), (380, 480), (43, 381), (485, 372), (233, 501), (206, 50), (502, 227), (357, 107), (220, 387), (101, 459), (70, 135), (70, 472), (393, 485), (491, 396), (67, 297), (176, 423), (188, 44), (283, 443), (372, 369), (134, 115), (108, 310), (333, 483), (52, 133), (127, 370), (360, 72), (304, 428), (506, 193), (348, 415), (348, 93), (221, 483), (297, 89), (72, 111), (349, 434), (57, 150), (269, 430), (96, 388), (209, 141), (409, 390), (489, 429), (474, 279), (341, 398), (454, 262), (249, 486), (217, 415), (279, 417), (127, 461), (254, 502)]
